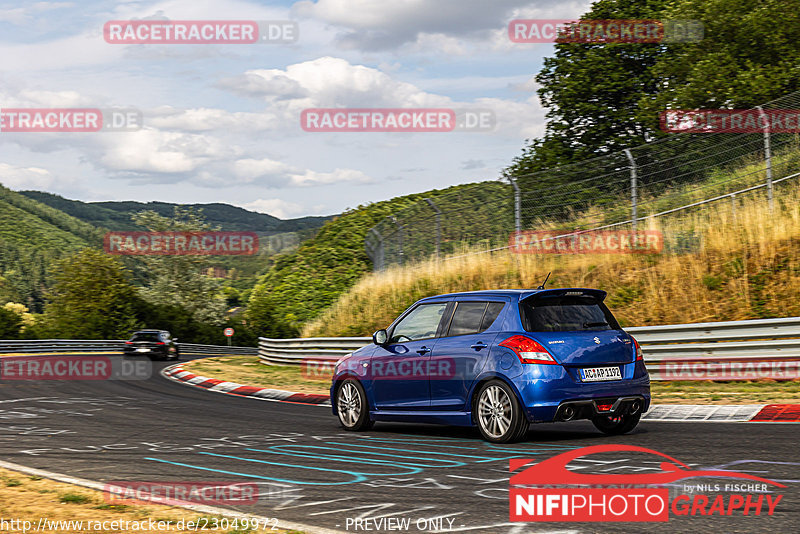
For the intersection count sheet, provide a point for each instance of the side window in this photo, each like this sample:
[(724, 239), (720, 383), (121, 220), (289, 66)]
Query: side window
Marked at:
[(467, 318), (421, 323), (492, 312), (473, 317)]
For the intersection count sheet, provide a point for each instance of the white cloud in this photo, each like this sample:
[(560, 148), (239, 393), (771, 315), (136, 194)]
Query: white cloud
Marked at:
[(154, 151), (370, 25), (209, 119), (275, 207), (25, 177), (330, 82), (22, 15), (309, 178), (250, 170)]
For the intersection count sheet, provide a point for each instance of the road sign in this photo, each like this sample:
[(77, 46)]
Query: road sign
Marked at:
[(228, 332)]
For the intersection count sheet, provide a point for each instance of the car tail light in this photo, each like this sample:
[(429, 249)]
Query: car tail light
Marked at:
[(129, 342), (639, 355), (528, 350), (160, 343), (604, 407)]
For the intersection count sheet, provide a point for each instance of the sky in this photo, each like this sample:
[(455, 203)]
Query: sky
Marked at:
[(222, 122)]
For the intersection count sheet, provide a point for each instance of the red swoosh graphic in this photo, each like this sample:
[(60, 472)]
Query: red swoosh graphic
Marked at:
[(554, 470)]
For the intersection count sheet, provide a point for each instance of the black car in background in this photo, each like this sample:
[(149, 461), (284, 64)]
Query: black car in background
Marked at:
[(152, 343)]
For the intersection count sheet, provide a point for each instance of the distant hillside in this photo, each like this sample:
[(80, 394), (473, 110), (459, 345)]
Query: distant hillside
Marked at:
[(302, 284), (32, 235), (117, 215)]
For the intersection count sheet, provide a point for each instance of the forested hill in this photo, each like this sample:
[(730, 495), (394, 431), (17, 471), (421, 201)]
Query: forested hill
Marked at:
[(32, 235), (117, 215)]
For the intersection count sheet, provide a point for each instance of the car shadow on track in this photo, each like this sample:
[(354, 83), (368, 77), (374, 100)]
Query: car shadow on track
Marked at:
[(539, 433)]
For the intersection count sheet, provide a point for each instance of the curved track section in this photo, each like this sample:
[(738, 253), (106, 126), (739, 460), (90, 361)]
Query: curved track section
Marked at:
[(309, 471)]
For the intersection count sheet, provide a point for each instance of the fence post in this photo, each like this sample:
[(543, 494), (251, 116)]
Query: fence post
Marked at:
[(400, 238), (767, 154), (375, 251), (438, 225), (517, 205), (634, 216)]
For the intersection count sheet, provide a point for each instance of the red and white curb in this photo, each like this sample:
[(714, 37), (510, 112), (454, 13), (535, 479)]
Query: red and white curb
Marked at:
[(711, 413), (178, 374), (701, 413)]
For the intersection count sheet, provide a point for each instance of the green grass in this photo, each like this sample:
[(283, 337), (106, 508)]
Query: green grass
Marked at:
[(74, 498)]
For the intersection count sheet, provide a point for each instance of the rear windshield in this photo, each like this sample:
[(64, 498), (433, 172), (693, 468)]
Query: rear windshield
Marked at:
[(562, 314), (146, 336)]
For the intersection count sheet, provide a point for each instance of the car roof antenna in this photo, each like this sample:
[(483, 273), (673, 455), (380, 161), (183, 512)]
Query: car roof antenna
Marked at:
[(545, 280)]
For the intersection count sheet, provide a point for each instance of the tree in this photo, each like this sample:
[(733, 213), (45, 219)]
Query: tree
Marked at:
[(591, 92), (179, 280), (91, 298), (10, 324), (750, 54)]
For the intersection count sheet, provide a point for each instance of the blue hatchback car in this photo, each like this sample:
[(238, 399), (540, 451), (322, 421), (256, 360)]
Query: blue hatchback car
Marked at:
[(498, 360)]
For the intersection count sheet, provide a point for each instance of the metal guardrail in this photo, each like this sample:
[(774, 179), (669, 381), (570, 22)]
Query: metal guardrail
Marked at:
[(33, 346), (730, 350), (297, 350)]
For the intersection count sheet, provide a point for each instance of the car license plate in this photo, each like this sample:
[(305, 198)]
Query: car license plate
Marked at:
[(142, 350), (596, 374)]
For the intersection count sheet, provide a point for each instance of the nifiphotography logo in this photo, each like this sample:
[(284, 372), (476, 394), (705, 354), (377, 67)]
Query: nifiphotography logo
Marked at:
[(536, 494)]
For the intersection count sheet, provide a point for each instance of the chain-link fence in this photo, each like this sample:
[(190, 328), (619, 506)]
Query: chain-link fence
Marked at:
[(676, 173)]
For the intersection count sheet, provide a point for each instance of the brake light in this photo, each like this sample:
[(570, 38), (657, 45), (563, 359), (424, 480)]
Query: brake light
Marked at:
[(528, 350), (639, 355), (129, 342), (160, 343), (604, 407)]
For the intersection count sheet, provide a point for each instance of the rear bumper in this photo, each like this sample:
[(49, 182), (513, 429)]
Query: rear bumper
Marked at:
[(548, 391), (586, 409)]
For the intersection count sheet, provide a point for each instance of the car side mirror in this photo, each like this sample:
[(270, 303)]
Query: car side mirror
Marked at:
[(380, 337)]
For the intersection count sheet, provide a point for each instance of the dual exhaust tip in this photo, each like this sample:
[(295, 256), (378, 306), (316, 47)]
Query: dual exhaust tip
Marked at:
[(568, 412)]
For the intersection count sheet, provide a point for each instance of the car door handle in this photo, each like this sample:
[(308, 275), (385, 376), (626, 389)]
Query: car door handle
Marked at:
[(479, 345), (422, 351)]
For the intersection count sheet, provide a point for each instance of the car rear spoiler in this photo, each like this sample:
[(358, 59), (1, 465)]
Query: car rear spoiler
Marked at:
[(599, 294)]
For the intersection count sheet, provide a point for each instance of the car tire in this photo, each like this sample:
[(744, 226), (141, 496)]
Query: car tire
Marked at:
[(176, 356), (498, 414), (614, 426), (352, 407)]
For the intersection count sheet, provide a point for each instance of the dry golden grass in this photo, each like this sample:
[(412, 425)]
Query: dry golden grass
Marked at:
[(743, 265), (28, 498)]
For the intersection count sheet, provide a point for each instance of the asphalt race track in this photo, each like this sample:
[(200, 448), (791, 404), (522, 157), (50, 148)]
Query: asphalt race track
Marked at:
[(312, 472)]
